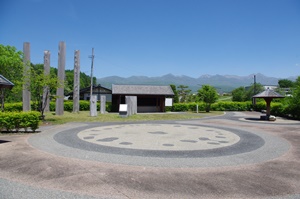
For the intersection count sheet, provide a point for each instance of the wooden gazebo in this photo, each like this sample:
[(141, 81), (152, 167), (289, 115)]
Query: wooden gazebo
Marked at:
[(4, 84), (268, 95)]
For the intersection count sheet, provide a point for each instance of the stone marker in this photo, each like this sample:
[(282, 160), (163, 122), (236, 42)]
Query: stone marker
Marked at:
[(46, 93), (76, 88), (93, 104), (26, 97), (103, 103), (59, 109), (131, 102)]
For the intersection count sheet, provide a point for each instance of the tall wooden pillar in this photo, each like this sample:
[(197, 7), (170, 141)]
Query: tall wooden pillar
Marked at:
[(26, 97), (59, 109), (46, 93), (76, 89)]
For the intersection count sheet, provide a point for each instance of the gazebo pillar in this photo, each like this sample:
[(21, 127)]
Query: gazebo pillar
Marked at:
[(268, 102)]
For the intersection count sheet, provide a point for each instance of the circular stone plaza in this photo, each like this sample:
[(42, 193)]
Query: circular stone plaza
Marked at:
[(230, 156)]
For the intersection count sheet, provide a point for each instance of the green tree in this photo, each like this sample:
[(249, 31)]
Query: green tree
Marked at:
[(69, 81), (176, 98), (85, 81), (11, 67), (253, 90), (11, 64), (192, 97), (39, 82), (285, 83), (241, 94), (183, 93), (209, 95), (294, 100), (238, 94)]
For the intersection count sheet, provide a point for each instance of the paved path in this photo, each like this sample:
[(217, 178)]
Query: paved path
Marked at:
[(231, 156)]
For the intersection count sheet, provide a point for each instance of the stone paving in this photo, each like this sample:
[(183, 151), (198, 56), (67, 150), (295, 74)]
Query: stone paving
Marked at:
[(159, 137), (230, 156)]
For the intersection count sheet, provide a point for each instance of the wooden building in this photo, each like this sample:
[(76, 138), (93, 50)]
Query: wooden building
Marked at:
[(150, 98), (97, 90)]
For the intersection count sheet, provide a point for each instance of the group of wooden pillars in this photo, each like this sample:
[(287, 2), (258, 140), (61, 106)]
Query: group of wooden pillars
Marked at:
[(59, 108)]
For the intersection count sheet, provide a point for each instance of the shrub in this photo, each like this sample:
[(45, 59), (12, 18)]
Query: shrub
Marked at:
[(13, 107), (260, 106), (17, 120), (68, 106), (169, 108), (52, 105), (178, 107), (84, 105)]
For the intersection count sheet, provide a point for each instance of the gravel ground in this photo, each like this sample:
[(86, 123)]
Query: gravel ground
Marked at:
[(44, 166)]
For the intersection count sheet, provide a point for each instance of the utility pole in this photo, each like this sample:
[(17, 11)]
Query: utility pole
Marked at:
[(92, 101), (92, 68), (254, 90)]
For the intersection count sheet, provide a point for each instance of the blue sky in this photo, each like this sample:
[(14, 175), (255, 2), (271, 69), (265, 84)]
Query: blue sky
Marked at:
[(157, 37)]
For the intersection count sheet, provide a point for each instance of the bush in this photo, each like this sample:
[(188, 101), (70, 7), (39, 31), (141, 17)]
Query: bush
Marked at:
[(13, 107), (179, 107), (218, 106), (277, 108), (260, 106), (84, 105), (17, 120)]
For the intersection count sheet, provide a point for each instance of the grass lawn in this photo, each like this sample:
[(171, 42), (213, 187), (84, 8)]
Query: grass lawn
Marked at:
[(225, 98), (84, 116)]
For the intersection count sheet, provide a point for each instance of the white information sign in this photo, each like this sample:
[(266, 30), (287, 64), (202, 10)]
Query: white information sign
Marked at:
[(123, 108), (169, 102)]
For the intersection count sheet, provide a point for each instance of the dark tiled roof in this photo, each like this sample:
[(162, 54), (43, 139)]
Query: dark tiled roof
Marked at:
[(268, 94), (5, 83), (142, 90), (95, 88)]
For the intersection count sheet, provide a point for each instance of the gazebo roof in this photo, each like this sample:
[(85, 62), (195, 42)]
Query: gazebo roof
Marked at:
[(5, 83), (268, 94)]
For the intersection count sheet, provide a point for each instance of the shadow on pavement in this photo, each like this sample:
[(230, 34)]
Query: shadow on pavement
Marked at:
[(3, 141)]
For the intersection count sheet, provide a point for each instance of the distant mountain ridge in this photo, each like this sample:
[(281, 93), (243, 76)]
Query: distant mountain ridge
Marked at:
[(223, 83)]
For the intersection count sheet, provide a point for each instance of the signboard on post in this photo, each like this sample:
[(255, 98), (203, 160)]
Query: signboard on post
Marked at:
[(123, 110), (169, 102)]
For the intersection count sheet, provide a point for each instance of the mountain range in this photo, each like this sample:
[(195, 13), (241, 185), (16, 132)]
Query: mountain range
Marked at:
[(223, 83)]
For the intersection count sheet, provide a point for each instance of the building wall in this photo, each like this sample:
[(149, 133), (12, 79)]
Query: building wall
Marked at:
[(145, 103)]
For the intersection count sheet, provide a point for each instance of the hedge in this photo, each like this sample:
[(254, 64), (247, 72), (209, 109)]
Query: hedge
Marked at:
[(84, 105), (277, 108), (219, 106), (10, 121)]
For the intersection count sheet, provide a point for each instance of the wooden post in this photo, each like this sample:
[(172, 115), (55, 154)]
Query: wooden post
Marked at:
[(93, 106), (46, 93), (92, 99), (59, 109), (76, 88), (26, 92), (268, 102), (102, 105)]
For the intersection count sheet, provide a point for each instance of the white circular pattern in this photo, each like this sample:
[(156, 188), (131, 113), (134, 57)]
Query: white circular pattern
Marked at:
[(159, 137)]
